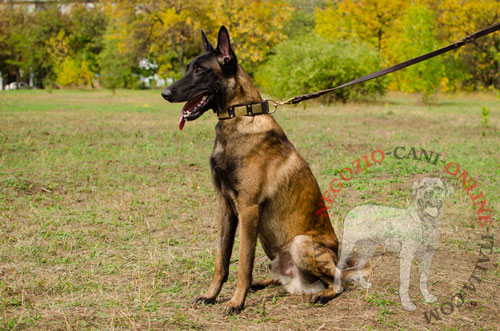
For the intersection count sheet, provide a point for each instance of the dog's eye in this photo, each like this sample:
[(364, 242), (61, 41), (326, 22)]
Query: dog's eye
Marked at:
[(198, 70)]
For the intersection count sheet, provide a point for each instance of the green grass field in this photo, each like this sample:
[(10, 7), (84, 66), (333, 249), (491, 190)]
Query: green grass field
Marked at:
[(107, 211)]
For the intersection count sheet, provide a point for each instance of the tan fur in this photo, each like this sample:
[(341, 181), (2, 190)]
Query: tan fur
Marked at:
[(262, 185), (244, 90), (265, 186)]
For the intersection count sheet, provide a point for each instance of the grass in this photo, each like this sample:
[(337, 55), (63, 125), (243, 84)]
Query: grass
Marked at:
[(107, 211)]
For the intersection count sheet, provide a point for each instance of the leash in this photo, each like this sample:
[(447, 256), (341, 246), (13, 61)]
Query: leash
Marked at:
[(468, 39)]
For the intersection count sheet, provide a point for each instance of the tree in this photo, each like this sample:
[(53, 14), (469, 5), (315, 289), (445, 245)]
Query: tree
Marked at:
[(49, 26), (416, 33), (116, 69), (302, 18), (6, 50), (175, 32), (15, 53), (68, 72), (86, 36), (176, 26), (480, 59), (255, 27), (54, 43), (368, 20)]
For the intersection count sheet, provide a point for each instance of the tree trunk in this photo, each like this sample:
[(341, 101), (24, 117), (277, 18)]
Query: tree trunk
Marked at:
[(181, 60), (379, 39), (17, 78), (180, 56)]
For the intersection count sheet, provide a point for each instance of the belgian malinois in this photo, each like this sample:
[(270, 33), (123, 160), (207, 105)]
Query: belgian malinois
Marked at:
[(261, 182)]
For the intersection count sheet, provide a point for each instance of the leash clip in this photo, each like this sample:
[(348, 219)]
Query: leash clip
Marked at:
[(274, 103)]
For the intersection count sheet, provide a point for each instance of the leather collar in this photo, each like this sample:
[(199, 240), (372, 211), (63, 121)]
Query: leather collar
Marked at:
[(244, 110)]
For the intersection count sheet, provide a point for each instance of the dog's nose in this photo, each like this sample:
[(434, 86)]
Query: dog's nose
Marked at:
[(167, 94)]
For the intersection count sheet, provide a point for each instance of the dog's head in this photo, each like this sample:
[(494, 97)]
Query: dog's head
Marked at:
[(430, 194), (206, 81)]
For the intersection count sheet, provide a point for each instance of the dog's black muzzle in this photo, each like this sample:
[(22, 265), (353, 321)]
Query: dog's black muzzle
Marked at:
[(167, 94)]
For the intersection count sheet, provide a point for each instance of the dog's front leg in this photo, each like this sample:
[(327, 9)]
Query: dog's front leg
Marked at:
[(405, 258), (248, 219), (227, 228), (424, 268)]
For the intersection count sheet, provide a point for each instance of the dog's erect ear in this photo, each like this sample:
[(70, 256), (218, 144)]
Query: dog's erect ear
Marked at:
[(226, 56), (207, 46)]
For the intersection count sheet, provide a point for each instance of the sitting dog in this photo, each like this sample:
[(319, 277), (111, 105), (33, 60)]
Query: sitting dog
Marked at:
[(262, 183), (412, 232)]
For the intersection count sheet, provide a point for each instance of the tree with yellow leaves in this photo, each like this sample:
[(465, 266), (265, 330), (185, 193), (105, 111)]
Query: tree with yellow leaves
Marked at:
[(255, 26), (369, 20), (175, 31), (414, 34), (480, 59)]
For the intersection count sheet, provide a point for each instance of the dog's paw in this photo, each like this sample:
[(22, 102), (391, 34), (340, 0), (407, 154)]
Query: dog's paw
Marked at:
[(364, 283), (204, 300), (338, 288), (430, 298), (319, 299), (233, 309), (409, 306)]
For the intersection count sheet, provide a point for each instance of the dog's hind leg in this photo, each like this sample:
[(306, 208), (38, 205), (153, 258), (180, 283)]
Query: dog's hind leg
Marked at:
[(314, 258)]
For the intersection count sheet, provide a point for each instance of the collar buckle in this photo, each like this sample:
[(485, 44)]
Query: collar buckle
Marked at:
[(252, 109)]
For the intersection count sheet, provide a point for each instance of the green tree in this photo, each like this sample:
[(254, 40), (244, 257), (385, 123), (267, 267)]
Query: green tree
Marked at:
[(15, 53), (302, 19), (116, 70), (416, 34), (46, 25), (86, 36)]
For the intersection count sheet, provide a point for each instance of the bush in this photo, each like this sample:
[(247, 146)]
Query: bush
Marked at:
[(310, 63), (72, 73), (68, 72)]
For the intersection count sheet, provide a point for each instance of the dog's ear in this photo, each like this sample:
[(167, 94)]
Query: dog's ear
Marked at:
[(225, 54), (207, 46), (449, 189), (416, 185)]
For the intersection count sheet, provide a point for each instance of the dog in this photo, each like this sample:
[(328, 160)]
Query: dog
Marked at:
[(261, 181), (412, 232)]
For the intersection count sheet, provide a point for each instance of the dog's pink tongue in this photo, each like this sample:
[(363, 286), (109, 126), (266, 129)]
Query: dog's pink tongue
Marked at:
[(181, 120)]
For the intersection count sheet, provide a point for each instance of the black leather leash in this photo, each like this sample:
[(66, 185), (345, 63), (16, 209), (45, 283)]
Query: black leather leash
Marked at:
[(490, 29), (263, 107)]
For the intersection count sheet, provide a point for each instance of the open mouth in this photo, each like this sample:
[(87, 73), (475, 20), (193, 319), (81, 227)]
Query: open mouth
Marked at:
[(194, 108), (432, 209)]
